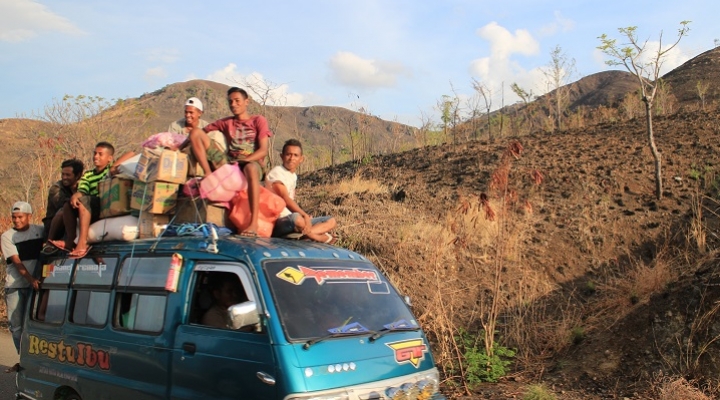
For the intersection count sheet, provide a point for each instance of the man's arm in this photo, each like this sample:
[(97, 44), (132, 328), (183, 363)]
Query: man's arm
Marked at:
[(280, 189), (18, 264), (261, 151), (120, 160)]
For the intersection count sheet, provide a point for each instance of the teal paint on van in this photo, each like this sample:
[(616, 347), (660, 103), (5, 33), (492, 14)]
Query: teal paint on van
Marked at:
[(330, 326)]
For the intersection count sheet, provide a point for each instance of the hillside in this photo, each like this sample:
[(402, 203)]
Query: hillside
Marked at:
[(602, 255)]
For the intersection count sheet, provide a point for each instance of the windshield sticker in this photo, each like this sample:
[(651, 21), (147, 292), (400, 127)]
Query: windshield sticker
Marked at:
[(327, 275), (92, 269), (81, 354), (52, 270), (409, 351)]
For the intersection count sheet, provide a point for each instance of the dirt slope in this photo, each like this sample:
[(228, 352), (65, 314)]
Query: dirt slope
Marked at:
[(598, 219)]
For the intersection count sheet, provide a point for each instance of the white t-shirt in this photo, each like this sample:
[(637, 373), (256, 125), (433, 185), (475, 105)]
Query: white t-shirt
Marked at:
[(287, 178), (25, 244)]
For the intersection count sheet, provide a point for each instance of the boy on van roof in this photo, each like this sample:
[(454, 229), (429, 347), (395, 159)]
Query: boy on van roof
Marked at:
[(247, 138), (84, 205), (282, 180)]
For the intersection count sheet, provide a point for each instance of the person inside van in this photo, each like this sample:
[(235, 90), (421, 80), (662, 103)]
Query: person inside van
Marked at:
[(282, 180), (226, 291)]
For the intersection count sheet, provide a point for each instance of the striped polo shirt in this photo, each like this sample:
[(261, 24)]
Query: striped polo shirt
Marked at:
[(88, 184)]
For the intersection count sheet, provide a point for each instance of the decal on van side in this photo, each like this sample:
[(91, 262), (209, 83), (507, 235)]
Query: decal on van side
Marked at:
[(81, 354), (409, 351), (323, 275)]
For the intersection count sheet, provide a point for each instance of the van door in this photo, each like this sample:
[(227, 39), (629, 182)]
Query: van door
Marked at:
[(211, 360)]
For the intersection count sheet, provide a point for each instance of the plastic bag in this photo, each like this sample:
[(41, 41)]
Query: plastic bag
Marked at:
[(270, 207)]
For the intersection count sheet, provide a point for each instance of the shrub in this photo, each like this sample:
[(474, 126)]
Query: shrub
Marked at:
[(538, 392), (477, 364)]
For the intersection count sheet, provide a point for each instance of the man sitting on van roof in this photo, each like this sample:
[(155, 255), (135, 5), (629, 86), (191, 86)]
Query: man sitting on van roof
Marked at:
[(193, 111), (84, 205), (282, 180), (247, 139), (60, 193)]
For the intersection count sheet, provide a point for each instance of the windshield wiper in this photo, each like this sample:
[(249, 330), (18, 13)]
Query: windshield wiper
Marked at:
[(397, 326), (353, 329)]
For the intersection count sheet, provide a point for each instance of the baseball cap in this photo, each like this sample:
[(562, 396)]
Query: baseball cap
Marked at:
[(195, 102), (23, 207)]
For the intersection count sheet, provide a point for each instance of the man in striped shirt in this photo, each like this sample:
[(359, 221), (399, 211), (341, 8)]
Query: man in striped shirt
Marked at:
[(85, 203)]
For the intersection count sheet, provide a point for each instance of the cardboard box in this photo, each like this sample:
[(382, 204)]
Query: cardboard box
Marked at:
[(199, 211), (157, 198), (151, 225), (115, 197), (162, 165)]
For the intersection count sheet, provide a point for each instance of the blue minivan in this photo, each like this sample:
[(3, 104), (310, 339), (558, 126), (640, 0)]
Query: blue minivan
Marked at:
[(234, 318)]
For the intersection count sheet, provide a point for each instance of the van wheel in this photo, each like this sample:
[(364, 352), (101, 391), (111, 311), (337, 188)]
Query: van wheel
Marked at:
[(71, 396)]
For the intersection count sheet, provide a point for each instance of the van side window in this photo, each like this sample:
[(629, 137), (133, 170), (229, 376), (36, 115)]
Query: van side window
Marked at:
[(50, 301), (213, 293), (140, 294), (91, 290)]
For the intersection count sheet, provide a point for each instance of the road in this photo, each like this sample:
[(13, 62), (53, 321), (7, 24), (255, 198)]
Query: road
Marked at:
[(8, 358)]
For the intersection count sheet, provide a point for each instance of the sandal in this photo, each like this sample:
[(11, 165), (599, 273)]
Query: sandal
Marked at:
[(49, 248), (331, 239), (79, 254)]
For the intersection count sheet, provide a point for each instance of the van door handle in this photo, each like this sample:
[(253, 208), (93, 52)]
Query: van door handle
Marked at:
[(189, 348), (265, 378)]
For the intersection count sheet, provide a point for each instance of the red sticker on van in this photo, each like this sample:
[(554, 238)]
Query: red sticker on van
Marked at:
[(297, 276), (409, 351)]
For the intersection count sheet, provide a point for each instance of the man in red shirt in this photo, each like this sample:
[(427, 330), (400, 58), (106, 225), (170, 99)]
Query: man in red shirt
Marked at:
[(247, 138)]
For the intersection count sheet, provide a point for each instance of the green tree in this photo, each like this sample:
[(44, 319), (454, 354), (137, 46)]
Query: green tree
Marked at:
[(645, 64)]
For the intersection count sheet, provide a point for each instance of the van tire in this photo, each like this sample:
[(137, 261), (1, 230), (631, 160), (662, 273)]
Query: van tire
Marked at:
[(70, 395)]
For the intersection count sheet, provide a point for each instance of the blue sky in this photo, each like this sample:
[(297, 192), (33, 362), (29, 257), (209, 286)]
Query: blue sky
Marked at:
[(394, 58)]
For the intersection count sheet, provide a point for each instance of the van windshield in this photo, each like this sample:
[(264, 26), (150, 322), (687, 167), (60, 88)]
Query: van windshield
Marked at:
[(316, 298)]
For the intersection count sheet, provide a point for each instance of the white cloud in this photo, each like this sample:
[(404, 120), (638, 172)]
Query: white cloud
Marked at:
[(277, 94), (155, 73), (351, 70), (24, 19), (499, 68), (559, 24)]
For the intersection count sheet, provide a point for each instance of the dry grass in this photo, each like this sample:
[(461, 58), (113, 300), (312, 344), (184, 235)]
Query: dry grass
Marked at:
[(675, 388), (359, 185)]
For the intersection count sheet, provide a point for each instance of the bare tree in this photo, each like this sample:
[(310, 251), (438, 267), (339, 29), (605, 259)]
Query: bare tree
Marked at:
[(702, 88), (484, 91), (70, 128), (645, 65), (558, 75)]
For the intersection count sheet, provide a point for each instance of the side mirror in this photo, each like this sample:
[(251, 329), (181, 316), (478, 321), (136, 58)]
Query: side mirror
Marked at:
[(243, 314)]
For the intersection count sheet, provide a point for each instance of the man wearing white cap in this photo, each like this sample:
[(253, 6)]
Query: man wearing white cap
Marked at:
[(193, 111), (21, 247)]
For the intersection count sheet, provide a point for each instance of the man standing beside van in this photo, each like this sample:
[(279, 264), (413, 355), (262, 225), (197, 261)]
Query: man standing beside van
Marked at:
[(282, 180), (21, 246)]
